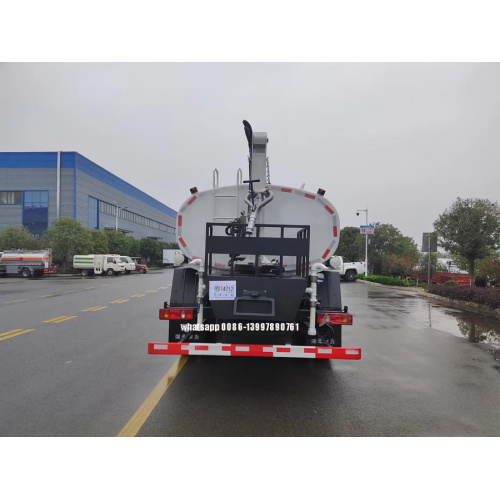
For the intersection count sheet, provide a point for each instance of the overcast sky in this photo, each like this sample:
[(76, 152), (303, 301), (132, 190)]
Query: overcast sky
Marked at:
[(403, 139)]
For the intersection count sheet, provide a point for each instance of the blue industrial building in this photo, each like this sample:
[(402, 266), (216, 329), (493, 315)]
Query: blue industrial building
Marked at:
[(38, 188)]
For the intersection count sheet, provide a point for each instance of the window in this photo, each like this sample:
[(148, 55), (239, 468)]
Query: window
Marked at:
[(10, 197), (108, 208), (36, 211), (93, 215)]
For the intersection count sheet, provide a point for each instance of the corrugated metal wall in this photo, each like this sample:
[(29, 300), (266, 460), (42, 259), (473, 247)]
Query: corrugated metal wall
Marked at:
[(37, 171)]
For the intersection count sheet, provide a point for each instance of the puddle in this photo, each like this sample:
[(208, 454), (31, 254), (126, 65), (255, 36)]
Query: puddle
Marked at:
[(416, 312), (475, 327)]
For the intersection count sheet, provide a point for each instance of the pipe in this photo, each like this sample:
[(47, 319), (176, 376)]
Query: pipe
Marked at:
[(256, 207), (314, 298), (201, 287)]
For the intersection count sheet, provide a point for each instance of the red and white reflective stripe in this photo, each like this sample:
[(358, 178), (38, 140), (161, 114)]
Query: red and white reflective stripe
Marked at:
[(191, 200), (269, 351), (179, 220), (328, 209), (182, 242)]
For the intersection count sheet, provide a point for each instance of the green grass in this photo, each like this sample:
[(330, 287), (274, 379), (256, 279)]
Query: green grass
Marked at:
[(385, 280)]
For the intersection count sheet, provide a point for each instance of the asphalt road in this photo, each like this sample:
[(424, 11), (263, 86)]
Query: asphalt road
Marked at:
[(88, 374)]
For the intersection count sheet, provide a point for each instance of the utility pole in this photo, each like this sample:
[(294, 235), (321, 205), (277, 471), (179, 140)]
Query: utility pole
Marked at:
[(366, 240)]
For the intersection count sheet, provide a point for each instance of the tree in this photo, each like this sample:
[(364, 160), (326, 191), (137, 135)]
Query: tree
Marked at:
[(67, 237), (133, 247), (470, 228), (99, 242), (151, 249), (381, 243), (18, 237), (117, 242), (391, 253), (489, 269), (351, 244)]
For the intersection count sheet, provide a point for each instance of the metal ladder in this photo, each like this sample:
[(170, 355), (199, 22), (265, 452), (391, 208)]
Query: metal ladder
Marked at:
[(215, 185)]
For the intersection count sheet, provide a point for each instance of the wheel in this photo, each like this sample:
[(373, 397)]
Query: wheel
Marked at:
[(127, 271), (110, 272), (142, 271), (350, 275), (25, 272), (85, 272)]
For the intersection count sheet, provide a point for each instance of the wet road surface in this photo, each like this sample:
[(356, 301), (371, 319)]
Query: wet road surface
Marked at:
[(426, 369), (419, 376)]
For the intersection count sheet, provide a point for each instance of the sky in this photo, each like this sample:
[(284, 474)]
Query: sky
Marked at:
[(401, 139)]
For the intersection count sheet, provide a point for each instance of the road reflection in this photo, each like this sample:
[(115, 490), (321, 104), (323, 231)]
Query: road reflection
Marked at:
[(476, 327)]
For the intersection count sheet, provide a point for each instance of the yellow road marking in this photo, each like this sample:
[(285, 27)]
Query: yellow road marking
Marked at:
[(151, 291), (12, 301), (162, 287), (10, 331), (59, 319), (120, 301), (53, 319), (138, 295), (105, 285), (95, 308), (49, 295), (90, 288), (15, 334), (72, 291), (65, 319), (141, 415)]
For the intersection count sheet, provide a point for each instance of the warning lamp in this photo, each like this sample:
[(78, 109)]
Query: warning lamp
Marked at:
[(194, 190), (321, 192), (334, 319), (176, 314)]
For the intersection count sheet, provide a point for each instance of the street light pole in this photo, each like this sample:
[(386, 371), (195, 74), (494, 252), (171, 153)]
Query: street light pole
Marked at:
[(366, 241)]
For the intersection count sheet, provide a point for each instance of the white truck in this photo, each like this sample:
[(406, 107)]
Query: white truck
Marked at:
[(27, 263), (98, 264), (346, 268), (132, 265), (257, 282), (172, 258)]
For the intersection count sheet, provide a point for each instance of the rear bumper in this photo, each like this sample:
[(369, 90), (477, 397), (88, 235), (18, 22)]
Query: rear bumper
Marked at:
[(267, 351), (50, 270)]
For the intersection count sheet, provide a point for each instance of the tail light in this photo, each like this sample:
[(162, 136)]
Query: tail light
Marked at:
[(176, 314), (334, 319)]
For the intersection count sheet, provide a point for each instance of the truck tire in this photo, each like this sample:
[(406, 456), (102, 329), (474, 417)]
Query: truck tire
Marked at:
[(25, 272), (85, 272), (110, 272), (127, 271), (350, 275), (142, 271)]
